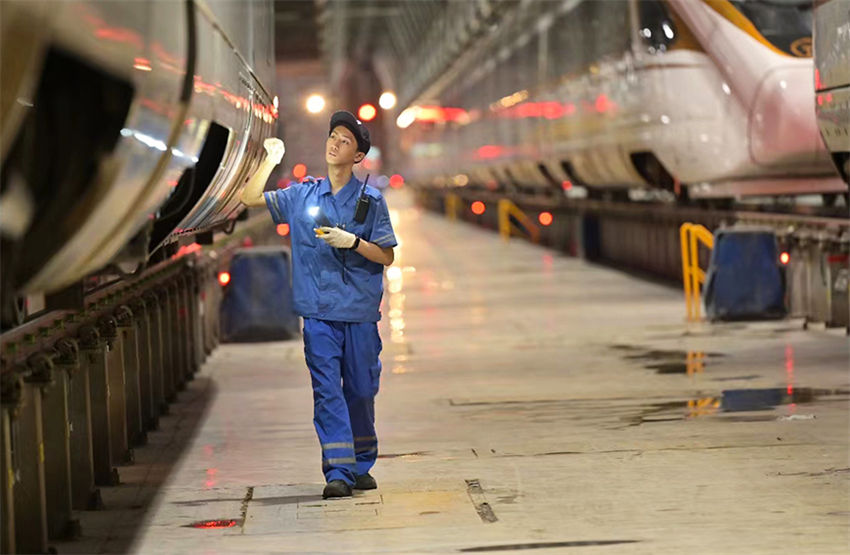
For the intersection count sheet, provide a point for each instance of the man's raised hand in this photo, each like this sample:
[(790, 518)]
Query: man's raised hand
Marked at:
[(275, 149)]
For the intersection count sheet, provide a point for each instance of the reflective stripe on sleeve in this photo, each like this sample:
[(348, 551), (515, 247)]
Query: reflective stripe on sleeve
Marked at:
[(272, 203), (380, 240)]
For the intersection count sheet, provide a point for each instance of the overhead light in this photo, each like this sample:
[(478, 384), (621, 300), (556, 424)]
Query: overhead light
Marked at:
[(387, 100), (315, 103), (407, 117), (367, 112)]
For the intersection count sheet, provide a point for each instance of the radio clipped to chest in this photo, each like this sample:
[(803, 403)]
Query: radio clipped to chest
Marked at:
[(363, 202)]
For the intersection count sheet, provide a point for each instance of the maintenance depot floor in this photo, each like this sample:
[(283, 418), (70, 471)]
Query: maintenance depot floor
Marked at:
[(528, 401)]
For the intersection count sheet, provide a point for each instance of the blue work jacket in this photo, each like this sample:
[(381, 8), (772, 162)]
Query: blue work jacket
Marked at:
[(328, 283)]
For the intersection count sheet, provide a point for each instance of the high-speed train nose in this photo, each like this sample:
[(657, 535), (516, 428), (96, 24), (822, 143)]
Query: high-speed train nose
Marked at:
[(783, 127)]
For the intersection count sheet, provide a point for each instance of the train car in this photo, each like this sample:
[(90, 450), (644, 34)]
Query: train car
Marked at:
[(832, 79), (124, 125), (700, 98)]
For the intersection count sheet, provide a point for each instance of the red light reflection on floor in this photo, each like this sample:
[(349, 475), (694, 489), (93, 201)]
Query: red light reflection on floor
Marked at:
[(210, 524), (211, 481), (789, 368)]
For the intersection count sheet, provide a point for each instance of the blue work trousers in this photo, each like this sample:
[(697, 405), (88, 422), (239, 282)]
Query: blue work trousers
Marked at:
[(345, 370)]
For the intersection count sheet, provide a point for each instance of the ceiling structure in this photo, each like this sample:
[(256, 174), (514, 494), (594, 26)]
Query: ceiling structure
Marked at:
[(372, 45), (350, 51), (296, 30)]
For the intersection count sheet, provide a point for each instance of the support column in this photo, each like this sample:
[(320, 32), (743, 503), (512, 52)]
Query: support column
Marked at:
[(30, 503), (147, 407), (128, 333), (95, 353), (121, 452), (84, 494), (11, 389)]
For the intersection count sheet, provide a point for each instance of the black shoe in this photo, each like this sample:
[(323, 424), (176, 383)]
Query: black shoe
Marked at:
[(365, 481), (336, 488)]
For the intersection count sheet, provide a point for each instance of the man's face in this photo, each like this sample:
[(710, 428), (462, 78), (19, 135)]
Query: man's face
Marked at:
[(341, 147)]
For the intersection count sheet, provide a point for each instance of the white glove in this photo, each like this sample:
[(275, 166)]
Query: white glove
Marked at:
[(275, 149), (336, 237)]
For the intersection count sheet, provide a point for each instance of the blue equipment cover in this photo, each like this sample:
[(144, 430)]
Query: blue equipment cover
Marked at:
[(257, 303), (744, 278)]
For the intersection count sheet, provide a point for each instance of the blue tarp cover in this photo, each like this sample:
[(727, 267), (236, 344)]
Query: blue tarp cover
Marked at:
[(744, 278), (257, 303)]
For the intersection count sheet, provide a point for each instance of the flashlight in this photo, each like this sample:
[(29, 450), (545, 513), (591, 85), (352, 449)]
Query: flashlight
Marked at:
[(318, 216)]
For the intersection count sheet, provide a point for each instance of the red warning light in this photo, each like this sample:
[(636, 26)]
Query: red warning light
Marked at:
[(566, 185), (367, 112), (545, 218), (299, 171), (224, 278), (478, 207), (785, 258), (283, 230), (603, 104), (396, 181)]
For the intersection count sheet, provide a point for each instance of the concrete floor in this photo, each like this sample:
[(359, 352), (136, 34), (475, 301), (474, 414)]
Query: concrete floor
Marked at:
[(528, 400)]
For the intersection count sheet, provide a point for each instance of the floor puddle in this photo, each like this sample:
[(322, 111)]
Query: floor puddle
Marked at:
[(736, 401), (668, 361)]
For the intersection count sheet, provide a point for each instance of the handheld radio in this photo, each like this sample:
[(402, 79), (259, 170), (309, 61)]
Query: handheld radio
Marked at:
[(362, 204)]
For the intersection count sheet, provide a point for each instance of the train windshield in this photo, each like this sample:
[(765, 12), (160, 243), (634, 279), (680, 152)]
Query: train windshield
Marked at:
[(786, 24)]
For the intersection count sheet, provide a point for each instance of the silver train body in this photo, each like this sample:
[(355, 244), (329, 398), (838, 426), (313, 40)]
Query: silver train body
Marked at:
[(124, 125), (832, 79), (709, 98)]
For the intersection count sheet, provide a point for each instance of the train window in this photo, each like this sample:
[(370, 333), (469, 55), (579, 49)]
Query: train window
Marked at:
[(657, 29), (786, 24), (591, 32)]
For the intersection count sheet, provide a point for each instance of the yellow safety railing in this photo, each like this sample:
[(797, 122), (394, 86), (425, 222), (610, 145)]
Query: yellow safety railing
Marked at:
[(507, 209), (690, 237), (452, 206)]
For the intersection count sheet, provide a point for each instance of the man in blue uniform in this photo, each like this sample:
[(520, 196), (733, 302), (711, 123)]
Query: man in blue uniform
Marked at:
[(341, 240)]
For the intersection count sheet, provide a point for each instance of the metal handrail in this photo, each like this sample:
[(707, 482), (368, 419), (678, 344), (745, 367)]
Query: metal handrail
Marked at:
[(507, 209), (690, 237)]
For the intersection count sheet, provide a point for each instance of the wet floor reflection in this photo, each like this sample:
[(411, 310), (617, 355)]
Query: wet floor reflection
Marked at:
[(669, 361), (739, 400)]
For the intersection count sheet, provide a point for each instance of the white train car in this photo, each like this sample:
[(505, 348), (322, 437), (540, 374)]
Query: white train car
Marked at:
[(125, 124), (832, 79), (707, 98)]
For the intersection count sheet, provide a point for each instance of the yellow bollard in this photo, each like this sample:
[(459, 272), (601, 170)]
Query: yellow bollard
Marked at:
[(452, 203)]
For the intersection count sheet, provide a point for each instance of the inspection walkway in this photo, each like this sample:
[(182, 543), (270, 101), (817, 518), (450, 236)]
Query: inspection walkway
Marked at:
[(528, 401)]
